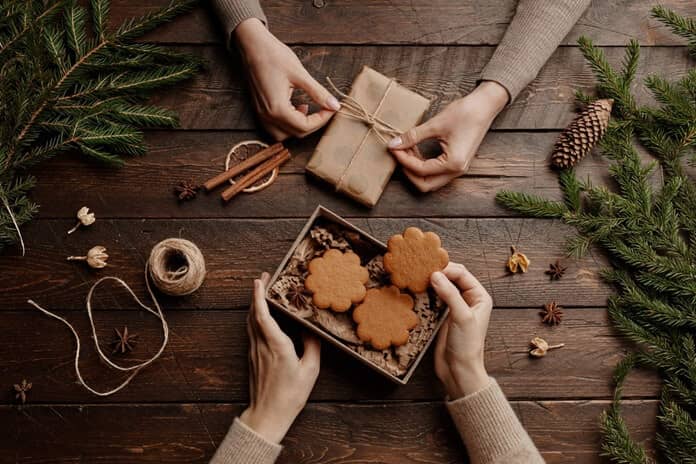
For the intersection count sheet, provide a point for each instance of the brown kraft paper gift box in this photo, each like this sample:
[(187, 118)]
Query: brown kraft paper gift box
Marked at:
[(420, 337), (350, 155)]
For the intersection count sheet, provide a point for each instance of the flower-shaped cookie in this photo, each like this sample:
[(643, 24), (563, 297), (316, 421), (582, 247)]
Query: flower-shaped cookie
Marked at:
[(412, 257), (336, 280), (385, 317)]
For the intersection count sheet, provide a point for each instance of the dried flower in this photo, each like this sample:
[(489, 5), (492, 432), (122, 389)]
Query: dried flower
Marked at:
[(123, 341), (21, 390), (517, 261), (556, 271), (96, 257), (540, 347), (551, 314), (298, 297), (186, 190), (84, 218)]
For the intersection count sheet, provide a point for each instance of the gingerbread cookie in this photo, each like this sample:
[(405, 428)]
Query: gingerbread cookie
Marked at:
[(385, 317), (336, 280), (412, 257)]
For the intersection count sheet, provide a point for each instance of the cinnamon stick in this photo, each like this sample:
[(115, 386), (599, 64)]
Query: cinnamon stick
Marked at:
[(248, 163), (256, 174)]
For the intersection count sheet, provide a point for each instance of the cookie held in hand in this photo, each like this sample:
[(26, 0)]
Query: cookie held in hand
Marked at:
[(336, 280), (385, 317), (412, 258)]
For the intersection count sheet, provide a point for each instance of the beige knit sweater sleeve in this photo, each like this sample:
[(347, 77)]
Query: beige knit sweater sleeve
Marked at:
[(534, 33)]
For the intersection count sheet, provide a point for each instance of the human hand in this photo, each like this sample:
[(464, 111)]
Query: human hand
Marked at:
[(459, 348), (274, 71), (279, 381), (459, 128)]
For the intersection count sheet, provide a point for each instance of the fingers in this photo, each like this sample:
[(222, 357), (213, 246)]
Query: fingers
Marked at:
[(419, 166), (429, 183), (317, 92), (267, 326), (415, 135), (296, 122), (473, 291), (311, 358)]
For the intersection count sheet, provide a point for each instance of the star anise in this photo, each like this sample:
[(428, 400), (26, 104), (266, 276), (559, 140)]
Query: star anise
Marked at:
[(556, 271), (551, 314), (298, 296), (21, 390), (123, 341), (186, 190)]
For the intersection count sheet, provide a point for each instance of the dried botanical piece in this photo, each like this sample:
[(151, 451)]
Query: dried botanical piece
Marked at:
[(517, 261), (551, 314), (123, 341), (298, 296), (21, 390), (186, 190), (84, 218), (96, 257), (582, 134), (541, 346), (556, 270)]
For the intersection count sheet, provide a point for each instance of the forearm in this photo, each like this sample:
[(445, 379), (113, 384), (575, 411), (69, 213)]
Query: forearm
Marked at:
[(232, 12), (490, 429), (244, 446), (535, 31)]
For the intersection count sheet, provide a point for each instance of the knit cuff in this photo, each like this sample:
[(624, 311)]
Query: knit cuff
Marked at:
[(244, 446), (488, 425), (232, 12)]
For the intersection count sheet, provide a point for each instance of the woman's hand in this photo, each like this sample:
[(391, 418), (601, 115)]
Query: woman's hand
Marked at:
[(274, 71), (279, 381), (459, 348), (459, 128)]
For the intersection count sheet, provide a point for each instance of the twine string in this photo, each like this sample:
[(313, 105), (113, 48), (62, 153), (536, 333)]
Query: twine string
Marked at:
[(186, 279), (14, 221), (352, 108)]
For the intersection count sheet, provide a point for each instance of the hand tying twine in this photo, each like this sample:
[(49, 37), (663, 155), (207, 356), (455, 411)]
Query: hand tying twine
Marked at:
[(352, 108)]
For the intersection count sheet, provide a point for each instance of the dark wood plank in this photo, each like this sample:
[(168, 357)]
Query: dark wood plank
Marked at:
[(144, 188), (217, 98), (206, 359), (564, 431), (459, 22), (238, 251)]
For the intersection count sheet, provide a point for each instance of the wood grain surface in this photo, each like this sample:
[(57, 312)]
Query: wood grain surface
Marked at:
[(178, 409), (409, 22)]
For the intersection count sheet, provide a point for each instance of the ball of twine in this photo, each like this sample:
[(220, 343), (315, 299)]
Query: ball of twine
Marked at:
[(176, 266)]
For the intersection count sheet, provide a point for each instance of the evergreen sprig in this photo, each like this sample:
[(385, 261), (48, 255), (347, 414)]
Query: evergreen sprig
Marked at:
[(68, 81), (648, 231)]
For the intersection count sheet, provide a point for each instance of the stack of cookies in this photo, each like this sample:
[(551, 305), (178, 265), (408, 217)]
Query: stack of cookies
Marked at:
[(380, 305)]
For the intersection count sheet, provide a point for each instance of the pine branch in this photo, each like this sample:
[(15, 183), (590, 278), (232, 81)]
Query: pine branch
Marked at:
[(530, 205)]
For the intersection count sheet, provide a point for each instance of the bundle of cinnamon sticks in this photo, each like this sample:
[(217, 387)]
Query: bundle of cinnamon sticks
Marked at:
[(258, 166)]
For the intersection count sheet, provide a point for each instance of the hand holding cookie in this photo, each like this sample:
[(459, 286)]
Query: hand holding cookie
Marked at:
[(279, 381), (459, 350), (412, 258)]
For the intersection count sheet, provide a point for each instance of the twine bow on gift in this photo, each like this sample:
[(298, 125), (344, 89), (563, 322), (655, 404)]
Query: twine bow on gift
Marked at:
[(353, 109)]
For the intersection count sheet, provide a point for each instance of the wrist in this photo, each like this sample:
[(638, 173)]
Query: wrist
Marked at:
[(271, 429), (249, 33), (495, 95), (467, 381)]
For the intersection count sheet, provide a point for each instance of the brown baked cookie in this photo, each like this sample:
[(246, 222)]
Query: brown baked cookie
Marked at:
[(336, 280), (385, 317), (412, 257)]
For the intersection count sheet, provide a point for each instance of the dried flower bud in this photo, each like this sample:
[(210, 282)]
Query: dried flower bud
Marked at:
[(540, 347), (517, 261), (84, 218), (96, 257)]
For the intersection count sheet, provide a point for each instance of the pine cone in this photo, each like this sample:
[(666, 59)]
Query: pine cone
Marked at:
[(582, 134)]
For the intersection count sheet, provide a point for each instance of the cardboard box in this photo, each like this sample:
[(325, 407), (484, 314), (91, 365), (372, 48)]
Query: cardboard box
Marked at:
[(350, 155), (329, 216)]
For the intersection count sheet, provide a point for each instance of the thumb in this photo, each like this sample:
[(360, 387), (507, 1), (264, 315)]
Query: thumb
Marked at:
[(311, 357), (414, 136), (317, 92), (451, 295)]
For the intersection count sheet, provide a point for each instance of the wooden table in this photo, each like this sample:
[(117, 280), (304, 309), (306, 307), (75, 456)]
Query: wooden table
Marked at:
[(180, 408)]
